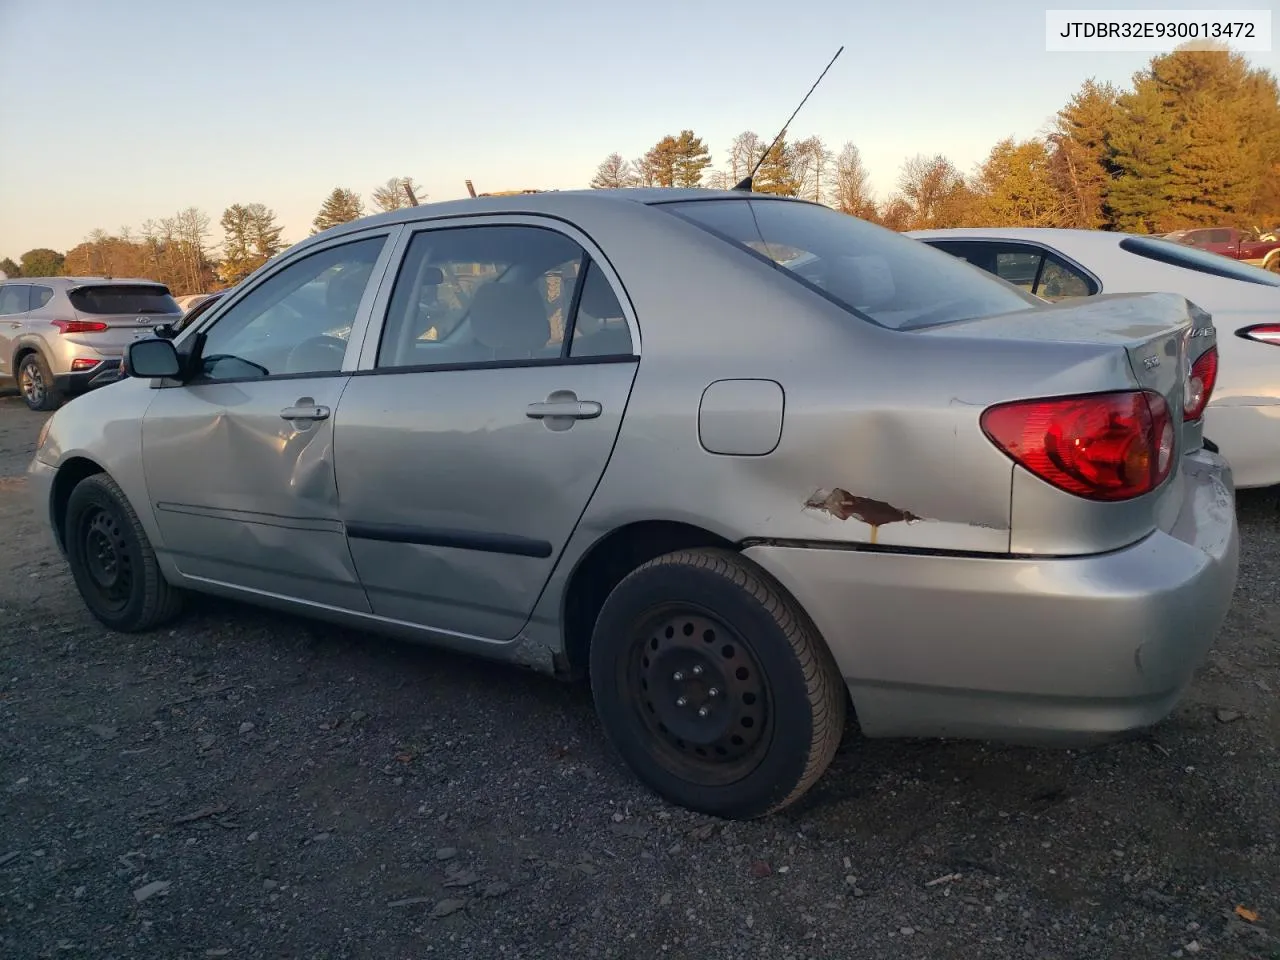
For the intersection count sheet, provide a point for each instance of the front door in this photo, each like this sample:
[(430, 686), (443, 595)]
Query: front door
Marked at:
[(239, 460), (468, 452)]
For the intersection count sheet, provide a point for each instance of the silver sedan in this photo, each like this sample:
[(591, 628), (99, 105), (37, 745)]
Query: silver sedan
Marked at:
[(744, 461)]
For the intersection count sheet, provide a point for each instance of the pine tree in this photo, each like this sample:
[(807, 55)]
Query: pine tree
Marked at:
[(691, 158), (776, 173), (1143, 143), (1017, 188), (341, 206), (1080, 160)]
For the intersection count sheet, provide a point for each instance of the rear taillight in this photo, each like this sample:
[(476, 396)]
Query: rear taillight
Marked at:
[(79, 326), (83, 363), (1262, 333), (1204, 374), (1105, 446)]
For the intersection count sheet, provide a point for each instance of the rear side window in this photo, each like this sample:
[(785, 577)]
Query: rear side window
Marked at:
[(1201, 261), (873, 272), (40, 296), (123, 298)]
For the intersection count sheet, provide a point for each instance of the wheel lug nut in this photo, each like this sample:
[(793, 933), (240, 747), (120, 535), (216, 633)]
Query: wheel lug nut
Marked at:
[(697, 671), (703, 711), (713, 692), (677, 676), (682, 702)]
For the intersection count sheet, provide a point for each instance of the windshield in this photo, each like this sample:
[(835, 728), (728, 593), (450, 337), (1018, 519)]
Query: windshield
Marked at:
[(1202, 261), (880, 275)]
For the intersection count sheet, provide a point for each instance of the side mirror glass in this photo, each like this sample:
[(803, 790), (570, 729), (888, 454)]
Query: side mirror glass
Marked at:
[(152, 358)]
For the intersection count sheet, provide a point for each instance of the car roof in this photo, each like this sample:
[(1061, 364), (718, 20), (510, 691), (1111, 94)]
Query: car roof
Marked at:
[(1050, 235), (550, 203), (69, 282)]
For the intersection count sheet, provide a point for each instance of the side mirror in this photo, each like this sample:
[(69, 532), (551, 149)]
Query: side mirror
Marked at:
[(165, 331), (152, 358)]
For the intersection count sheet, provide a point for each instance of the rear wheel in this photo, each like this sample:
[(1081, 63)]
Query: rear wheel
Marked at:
[(714, 686), (1272, 263), (36, 383), (112, 561)]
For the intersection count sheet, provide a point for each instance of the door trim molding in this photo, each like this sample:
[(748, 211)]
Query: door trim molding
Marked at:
[(504, 543)]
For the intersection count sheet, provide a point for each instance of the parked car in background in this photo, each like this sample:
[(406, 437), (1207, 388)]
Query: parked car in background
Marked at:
[(60, 336), (1243, 415), (1260, 250), (737, 496), (192, 300)]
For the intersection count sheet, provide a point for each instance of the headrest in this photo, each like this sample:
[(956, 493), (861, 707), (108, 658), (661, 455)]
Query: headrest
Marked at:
[(510, 317)]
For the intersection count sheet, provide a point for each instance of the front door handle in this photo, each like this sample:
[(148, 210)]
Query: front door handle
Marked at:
[(563, 409), (305, 411)]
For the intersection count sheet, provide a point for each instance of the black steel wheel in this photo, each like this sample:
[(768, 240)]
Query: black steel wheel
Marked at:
[(714, 686), (112, 561), (36, 384), (701, 693)]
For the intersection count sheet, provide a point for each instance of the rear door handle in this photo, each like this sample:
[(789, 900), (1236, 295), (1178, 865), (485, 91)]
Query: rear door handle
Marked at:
[(564, 409), (312, 411)]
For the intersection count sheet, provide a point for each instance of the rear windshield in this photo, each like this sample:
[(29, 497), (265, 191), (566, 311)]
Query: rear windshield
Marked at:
[(880, 275), (1202, 261), (121, 298)]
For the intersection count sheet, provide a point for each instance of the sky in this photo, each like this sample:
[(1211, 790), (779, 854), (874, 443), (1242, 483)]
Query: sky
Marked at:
[(135, 109)]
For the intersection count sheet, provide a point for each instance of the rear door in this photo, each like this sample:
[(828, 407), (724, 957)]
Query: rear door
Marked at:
[(111, 315), (14, 299), (472, 437)]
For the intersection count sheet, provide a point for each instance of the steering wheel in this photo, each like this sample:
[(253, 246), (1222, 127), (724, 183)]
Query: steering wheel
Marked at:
[(317, 347)]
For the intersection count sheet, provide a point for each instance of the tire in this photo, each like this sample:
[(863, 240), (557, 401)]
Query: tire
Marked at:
[(36, 384), (1272, 263), (112, 560), (709, 630)]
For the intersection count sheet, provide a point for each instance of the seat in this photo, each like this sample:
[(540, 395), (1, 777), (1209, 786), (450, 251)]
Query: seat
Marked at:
[(510, 321)]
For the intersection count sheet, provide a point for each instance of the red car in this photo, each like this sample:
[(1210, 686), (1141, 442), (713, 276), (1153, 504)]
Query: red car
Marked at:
[(1261, 250)]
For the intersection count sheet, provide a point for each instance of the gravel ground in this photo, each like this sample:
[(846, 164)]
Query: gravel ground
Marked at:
[(252, 785)]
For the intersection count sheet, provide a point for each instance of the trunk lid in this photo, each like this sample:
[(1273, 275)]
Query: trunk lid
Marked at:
[(129, 310)]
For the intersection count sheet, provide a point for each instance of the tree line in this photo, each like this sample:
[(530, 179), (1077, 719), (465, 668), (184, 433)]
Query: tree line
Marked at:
[(177, 250), (1194, 142)]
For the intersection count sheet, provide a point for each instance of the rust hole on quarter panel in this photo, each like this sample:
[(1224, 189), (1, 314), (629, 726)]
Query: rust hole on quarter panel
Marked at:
[(842, 505)]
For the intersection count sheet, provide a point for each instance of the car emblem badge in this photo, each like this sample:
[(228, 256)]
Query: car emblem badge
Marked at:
[(1151, 362), (140, 320)]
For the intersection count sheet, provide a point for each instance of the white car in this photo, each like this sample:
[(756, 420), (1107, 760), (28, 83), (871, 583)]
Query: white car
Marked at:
[(1243, 416)]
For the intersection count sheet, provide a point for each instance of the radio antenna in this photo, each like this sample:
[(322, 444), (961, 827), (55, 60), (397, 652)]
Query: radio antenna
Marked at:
[(745, 183)]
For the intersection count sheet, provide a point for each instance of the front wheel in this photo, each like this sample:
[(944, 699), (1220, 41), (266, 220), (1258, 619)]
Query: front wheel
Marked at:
[(1272, 264), (714, 686), (112, 560)]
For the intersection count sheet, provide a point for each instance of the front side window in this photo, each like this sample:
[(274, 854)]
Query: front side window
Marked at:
[(492, 294), (296, 321), (13, 299), (875, 273)]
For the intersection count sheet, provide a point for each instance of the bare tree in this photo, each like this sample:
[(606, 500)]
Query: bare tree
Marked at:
[(614, 173), (811, 161), (392, 196), (852, 190)]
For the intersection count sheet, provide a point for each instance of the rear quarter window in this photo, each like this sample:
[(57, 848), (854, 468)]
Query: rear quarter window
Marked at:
[(122, 298), (1201, 261)]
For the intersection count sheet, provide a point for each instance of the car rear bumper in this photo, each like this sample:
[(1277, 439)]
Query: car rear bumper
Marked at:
[(1034, 650), (106, 372)]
